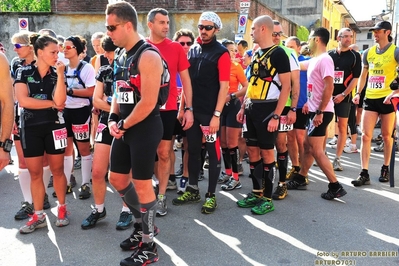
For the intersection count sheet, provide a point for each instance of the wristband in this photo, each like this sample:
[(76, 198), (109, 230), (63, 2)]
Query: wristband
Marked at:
[(113, 117), (357, 93)]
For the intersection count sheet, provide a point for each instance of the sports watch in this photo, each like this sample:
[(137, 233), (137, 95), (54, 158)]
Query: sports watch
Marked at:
[(293, 109), (276, 117), (217, 113), (318, 112), (6, 145), (120, 125)]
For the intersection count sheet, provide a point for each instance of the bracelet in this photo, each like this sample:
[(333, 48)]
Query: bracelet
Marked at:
[(357, 93), (113, 117)]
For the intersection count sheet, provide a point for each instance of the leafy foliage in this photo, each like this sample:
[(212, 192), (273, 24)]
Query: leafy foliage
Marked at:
[(302, 33), (25, 6)]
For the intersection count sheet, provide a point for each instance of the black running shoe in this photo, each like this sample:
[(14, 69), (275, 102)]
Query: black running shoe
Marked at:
[(50, 183), (334, 193), (46, 203), (361, 180), (94, 217), (84, 191), (73, 180), (25, 211), (384, 177), (135, 238), (297, 182), (146, 253)]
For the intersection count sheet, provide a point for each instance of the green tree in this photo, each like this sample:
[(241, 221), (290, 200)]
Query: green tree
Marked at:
[(302, 33), (25, 6)]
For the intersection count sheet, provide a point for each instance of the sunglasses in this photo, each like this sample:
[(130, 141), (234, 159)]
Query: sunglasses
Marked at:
[(112, 28), (68, 47), (206, 27), (20, 45), (186, 43), (275, 34)]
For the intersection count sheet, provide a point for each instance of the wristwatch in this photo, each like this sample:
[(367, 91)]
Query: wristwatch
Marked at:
[(188, 109), (217, 113), (343, 94), (6, 145), (318, 112), (276, 117), (293, 109), (70, 91), (121, 124)]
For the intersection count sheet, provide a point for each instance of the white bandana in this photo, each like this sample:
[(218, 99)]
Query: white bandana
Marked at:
[(213, 17)]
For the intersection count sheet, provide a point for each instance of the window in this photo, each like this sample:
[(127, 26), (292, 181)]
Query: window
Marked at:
[(369, 35), (365, 46)]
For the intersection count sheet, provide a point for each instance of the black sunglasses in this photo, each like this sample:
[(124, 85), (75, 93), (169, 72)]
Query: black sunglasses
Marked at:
[(186, 43), (206, 27), (111, 28)]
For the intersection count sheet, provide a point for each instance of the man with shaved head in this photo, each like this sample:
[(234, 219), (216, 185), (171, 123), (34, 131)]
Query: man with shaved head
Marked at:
[(268, 90)]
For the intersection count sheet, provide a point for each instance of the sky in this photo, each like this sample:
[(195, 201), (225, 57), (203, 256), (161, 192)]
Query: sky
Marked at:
[(364, 9)]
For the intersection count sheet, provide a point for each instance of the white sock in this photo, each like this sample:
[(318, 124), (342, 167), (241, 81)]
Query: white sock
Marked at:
[(39, 213), (68, 164), (125, 209), (86, 169), (24, 183), (100, 207), (46, 176)]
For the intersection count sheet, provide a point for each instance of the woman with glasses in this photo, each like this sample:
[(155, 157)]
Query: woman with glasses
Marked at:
[(80, 81), (40, 91), (230, 127), (26, 56)]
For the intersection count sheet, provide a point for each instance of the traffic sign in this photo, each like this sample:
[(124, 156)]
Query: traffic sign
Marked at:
[(23, 24), (242, 23)]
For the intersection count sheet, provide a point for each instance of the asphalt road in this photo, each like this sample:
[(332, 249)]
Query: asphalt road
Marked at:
[(361, 228)]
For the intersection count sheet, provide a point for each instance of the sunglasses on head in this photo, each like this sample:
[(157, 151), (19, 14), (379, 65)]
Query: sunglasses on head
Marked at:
[(206, 27), (68, 47), (20, 45), (186, 43), (111, 28), (275, 34)]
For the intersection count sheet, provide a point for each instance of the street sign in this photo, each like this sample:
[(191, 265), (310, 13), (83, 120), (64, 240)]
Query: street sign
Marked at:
[(23, 24), (242, 23)]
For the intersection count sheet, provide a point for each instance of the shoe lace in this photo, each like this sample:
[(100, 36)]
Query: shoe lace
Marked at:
[(32, 219), (124, 217), (210, 202), (27, 207), (186, 195), (62, 212), (92, 215)]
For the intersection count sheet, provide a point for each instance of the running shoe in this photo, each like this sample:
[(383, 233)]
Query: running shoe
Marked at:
[(249, 201), (25, 211), (361, 180), (379, 148), (280, 192), (264, 206), (337, 165), (72, 181), (384, 177), (50, 183), (351, 148), (135, 238), (191, 195), (223, 178), (206, 163), (333, 141), (162, 208), (210, 204), (145, 254), (78, 163), (125, 220), (62, 219), (334, 193), (68, 191), (93, 218), (231, 184), (46, 203), (179, 172), (291, 173), (182, 185), (240, 169), (201, 176), (84, 191), (298, 182), (171, 185), (34, 223)]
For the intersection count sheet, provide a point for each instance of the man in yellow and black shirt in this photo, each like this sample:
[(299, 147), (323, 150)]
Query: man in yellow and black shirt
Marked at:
[(268, 91), (379, 62)]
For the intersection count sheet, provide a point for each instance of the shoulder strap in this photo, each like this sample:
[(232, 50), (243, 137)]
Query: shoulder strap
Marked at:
[(78, 70)]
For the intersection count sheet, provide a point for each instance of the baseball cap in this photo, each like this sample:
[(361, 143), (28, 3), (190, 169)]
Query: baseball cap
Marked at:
[(382, 25)]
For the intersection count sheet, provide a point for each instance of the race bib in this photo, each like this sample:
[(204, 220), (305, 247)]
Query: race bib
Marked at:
[(338, 77), (284, 127), (310, 90), (60, 138), (99, 133), (81, 132), (208, 137), (311, 127), (125, 97), (244, 124), (376, 82)]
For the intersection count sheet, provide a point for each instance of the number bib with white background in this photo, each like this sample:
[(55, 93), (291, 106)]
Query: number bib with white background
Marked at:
[(376, 82), (338, 77), (126, 96), (284, 127), (99, 134), (60, 137), (208, 137), (81, 132)]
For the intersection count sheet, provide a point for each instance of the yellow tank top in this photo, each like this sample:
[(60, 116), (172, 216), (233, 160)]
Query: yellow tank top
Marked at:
[(382, 71)]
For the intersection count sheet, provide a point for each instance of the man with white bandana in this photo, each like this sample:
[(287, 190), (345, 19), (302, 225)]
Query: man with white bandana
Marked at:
[(210, 74)]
